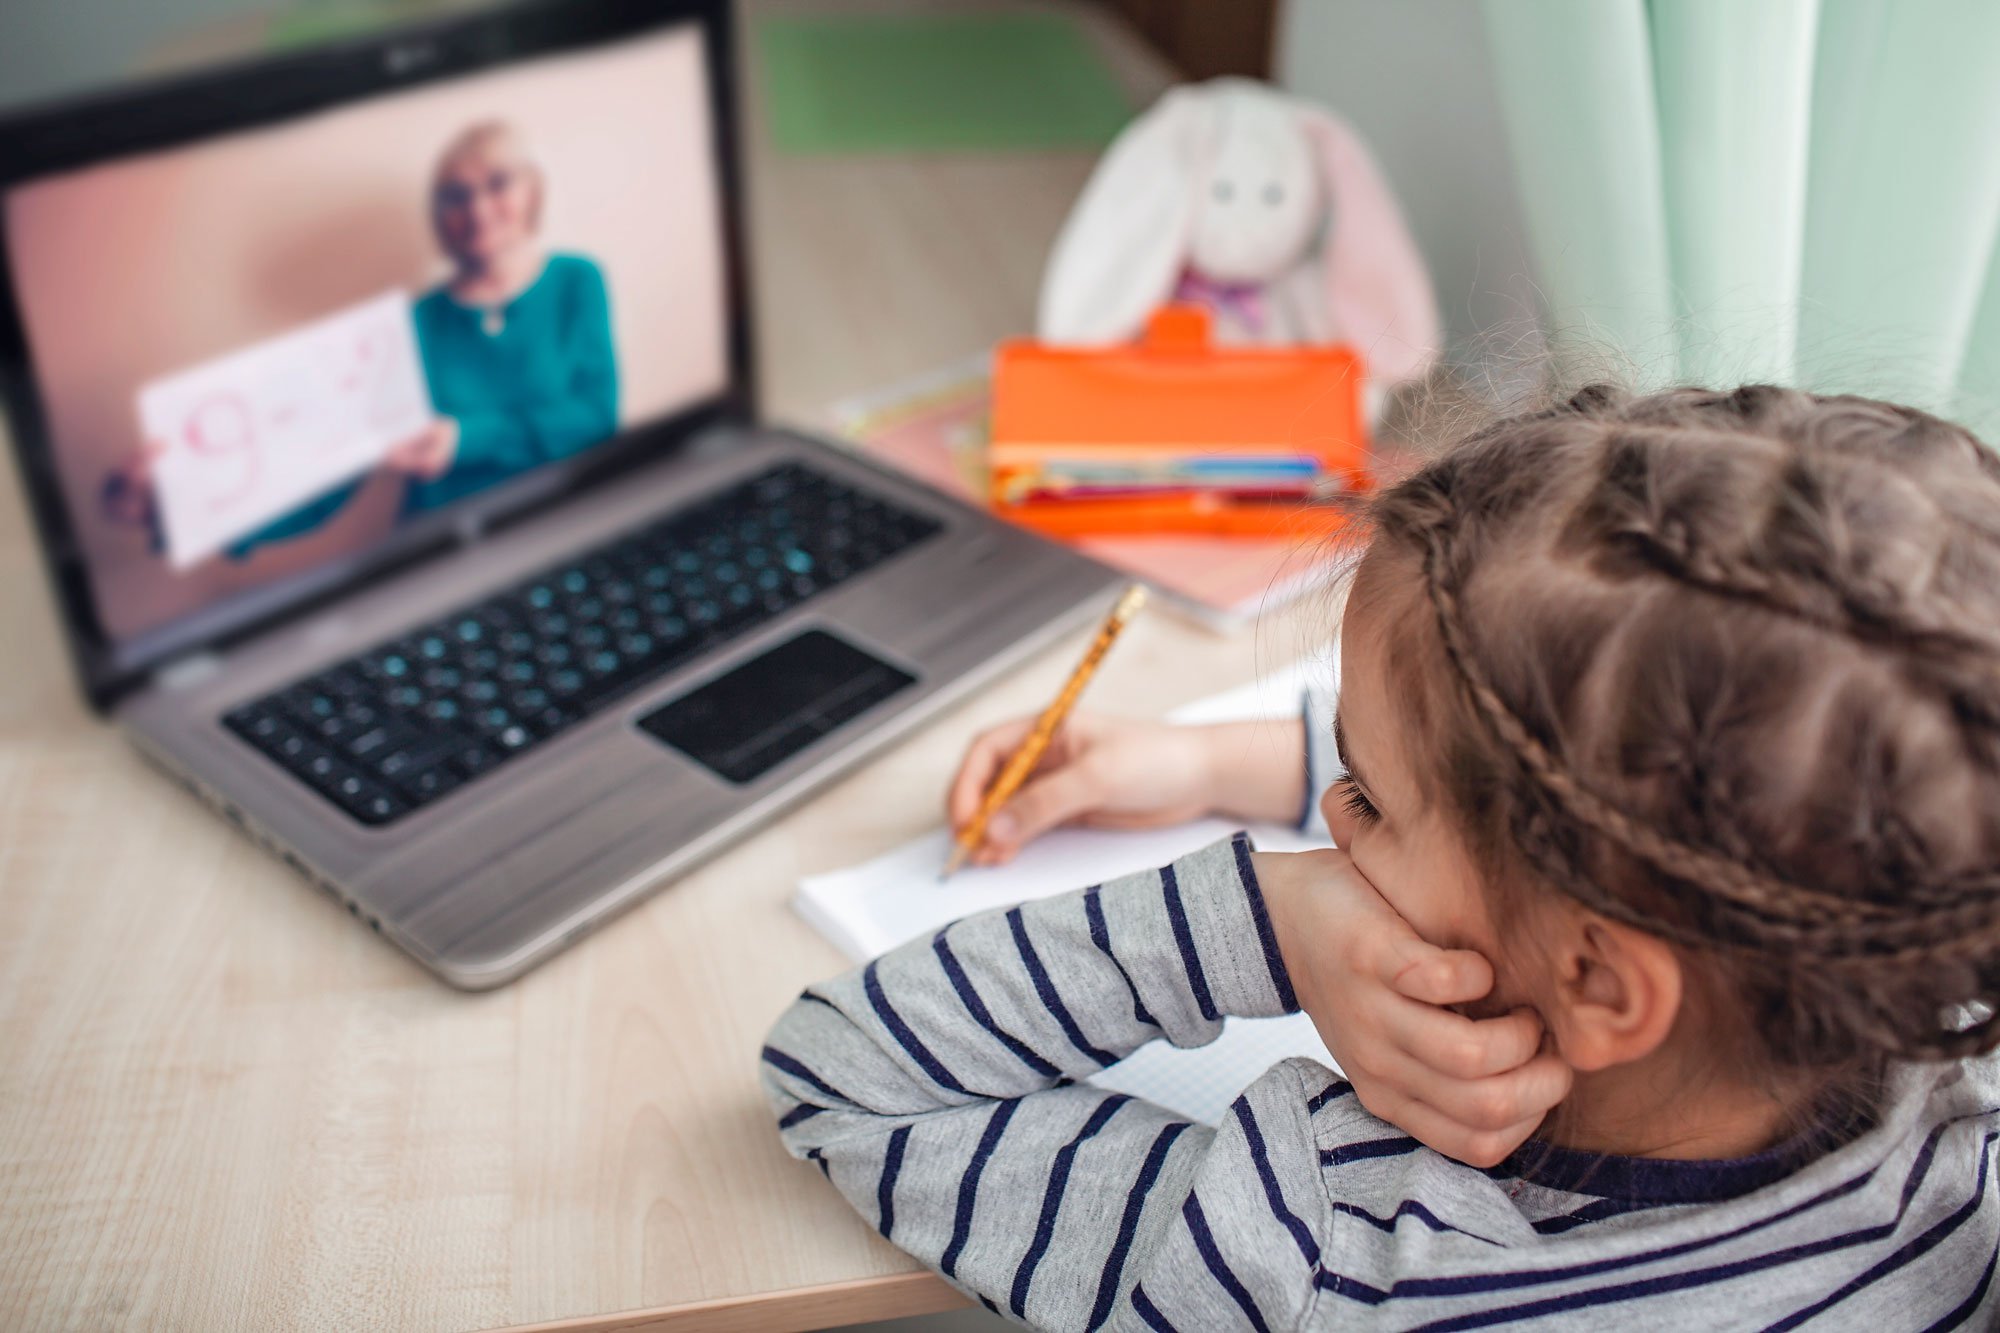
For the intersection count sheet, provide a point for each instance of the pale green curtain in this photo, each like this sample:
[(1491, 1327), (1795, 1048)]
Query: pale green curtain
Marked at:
[(1799, 191)]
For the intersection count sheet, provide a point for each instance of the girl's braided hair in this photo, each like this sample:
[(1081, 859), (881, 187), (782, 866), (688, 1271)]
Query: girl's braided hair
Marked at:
[(1726, 667)]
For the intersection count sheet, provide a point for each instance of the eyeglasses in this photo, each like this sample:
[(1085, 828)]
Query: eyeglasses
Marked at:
[(461, 194)]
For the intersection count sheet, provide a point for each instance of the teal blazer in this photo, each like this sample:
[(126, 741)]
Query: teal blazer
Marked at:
[(543, 387)]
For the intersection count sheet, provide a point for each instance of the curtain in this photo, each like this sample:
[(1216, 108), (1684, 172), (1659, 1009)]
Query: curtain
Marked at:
[(1798, 191)]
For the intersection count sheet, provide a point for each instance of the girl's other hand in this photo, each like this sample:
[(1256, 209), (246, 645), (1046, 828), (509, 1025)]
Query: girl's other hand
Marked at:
[(427, 455), (126, 495), (129, 493), (1473, 1089), (1104, 772)]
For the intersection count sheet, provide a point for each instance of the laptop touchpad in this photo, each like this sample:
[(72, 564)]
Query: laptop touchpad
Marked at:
[(761, 713)]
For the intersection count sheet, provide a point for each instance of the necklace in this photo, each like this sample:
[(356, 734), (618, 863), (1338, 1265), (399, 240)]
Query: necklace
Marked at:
[(492, 320)]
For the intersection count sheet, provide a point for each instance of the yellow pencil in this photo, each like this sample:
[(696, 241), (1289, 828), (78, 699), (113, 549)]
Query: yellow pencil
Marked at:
[(1017, 768)]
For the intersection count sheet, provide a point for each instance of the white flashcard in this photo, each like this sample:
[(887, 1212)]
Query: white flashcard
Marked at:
[(244, 439)]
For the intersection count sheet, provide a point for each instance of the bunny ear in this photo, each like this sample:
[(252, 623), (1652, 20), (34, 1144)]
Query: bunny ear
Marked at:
[(1377, 289), (1125, 243)]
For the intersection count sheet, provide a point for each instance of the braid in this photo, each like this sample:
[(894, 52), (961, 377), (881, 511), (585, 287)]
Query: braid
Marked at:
[(1896, 945), (1863, 609), (1791, 563), (1775, 911)]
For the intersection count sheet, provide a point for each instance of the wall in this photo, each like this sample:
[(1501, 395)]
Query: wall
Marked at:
[(60, 48), (53, 49), (1413, 78)]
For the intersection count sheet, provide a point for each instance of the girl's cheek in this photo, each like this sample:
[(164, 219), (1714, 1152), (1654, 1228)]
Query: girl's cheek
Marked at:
[(1338, 822), (1379, 863), (1410, 885)]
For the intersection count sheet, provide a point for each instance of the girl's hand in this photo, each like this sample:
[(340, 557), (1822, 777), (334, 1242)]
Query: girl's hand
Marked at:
[(1104, 772), (1472, 1089), (1109, 772), (428, 455)]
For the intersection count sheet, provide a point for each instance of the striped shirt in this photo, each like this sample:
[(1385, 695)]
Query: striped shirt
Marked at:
[(938, 1089)]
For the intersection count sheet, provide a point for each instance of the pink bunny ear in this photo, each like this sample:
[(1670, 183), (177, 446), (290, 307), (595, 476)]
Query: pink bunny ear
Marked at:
[(1124, 245), (1378, 292)]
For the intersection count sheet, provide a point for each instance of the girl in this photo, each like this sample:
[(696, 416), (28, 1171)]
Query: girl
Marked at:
[(1683, 711)]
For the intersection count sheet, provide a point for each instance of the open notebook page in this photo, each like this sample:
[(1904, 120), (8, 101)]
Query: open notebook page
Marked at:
[(870, 908)]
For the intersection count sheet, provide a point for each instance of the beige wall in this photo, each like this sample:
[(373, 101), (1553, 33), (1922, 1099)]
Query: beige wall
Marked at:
[(140, 267), (1414, 79)]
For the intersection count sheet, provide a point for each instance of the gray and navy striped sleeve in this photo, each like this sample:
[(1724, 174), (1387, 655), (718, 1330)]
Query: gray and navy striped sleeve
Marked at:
[(937, 1088)]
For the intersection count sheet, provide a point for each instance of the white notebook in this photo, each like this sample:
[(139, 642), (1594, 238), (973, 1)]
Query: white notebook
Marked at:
[(870, 908)]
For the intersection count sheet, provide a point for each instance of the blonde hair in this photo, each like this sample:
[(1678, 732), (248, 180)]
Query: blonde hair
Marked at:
[(476, 137)]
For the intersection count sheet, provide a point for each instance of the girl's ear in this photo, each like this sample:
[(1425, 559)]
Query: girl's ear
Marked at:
[(1377, 289), (1125, 243), (1619, 991)]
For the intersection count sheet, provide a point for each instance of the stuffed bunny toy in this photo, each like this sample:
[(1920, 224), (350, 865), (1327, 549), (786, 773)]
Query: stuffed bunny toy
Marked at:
[(1261, 207)]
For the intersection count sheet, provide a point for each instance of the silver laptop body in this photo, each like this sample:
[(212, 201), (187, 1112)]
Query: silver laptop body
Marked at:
[(500, 874), (491, 878)]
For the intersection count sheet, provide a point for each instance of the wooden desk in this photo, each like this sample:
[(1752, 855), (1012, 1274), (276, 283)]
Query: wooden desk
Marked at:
[(224, 1105)]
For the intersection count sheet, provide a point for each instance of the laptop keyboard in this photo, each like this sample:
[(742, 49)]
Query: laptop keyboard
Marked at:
[(401, 725)]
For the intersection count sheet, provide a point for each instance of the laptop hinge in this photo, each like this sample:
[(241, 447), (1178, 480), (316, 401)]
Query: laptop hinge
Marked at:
[(186, 672)]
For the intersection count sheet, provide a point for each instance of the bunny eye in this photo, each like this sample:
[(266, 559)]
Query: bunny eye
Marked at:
[(1274, 194), (1223, 191)]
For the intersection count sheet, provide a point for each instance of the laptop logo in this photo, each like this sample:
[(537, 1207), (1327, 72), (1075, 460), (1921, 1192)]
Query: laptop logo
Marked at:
[(409, 57)]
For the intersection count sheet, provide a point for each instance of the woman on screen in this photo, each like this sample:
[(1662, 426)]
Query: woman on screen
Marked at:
[(516, 344)]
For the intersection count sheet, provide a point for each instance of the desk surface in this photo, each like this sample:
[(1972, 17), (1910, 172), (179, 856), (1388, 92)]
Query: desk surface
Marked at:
[(224, 1105)]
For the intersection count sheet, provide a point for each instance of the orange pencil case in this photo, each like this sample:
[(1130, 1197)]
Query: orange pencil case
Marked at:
[(1125, 440)]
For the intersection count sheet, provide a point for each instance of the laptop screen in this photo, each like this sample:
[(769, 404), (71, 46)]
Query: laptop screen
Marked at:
[(263, 356)]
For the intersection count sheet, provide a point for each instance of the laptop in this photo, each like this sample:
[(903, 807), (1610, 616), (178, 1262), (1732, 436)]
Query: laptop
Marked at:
[(386, 415)]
